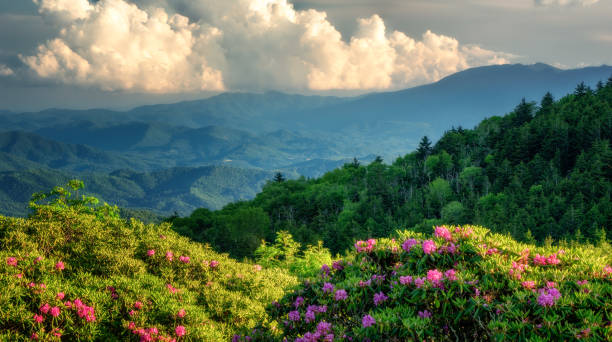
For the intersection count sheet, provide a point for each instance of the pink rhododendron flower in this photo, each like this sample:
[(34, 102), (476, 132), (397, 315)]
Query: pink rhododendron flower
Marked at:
[(213, 264), (257, 268), (298, 301), (323, 328), (59, 266), (492, 251), (169, 256), (365, 246), (310, 316), (405, 280), (429, 246), (294, 316), (184, 259), (552, 259), (55, 311), (171, 288), (539, 260), (37, 260), (132, 326), (368, 321), (181, 313), (151, 252), (340, 295), (328, 288), (180, 331), (442, 232), (18, 275), (34, 336), (607, 270), (434, 276), (60, 295), (11, 261), (530, 285), (379, 298), (451, 275), (419, 282), (45, 308), (338, 265), (548, 297), (582, 282), (408, 244), (38, 318), (138, 305)]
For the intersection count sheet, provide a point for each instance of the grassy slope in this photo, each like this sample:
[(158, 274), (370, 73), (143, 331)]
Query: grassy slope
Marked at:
[(101, 252)]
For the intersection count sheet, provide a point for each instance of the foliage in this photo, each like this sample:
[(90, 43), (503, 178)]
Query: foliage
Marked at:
[(543, 169), (287, 254), (462, 283), (80, 272)]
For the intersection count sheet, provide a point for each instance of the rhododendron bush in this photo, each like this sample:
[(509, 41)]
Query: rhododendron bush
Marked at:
[(460, 283), (75, 272)]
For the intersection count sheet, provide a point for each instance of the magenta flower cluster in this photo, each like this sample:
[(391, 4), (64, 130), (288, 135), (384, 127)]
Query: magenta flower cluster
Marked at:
[(443, 232), (365, 246), (548, 296), (368, 321), (541, 260), (429, 247)]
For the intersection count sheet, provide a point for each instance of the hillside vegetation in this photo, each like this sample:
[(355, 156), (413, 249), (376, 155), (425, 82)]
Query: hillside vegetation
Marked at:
[(180, 189), (459, 283), (74, 271), (540, 172)]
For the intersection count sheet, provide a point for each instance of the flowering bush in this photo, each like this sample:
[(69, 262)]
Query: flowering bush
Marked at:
[(76, 273), (462, 283)]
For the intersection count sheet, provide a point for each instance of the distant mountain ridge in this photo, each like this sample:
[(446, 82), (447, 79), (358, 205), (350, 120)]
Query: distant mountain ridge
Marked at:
[(256, 133)]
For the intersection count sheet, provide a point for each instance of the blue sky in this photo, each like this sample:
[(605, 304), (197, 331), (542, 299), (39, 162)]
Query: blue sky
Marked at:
[(120, 53)]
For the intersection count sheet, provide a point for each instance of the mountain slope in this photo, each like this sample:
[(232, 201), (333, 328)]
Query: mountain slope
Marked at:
[(462, 99), (58, 155), (96, 273), (179, 190), (539, 173)]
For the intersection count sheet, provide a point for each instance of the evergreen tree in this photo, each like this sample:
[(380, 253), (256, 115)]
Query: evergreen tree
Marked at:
[(279, 178), (424, 148)]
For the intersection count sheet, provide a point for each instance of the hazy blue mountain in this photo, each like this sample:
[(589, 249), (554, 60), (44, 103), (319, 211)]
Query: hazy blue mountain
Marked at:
[(246, 111), (463, 98), (24, 147), (156, 145)]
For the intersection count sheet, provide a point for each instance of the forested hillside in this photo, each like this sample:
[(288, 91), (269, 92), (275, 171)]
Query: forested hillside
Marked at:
[(541, 172), (175, 190)]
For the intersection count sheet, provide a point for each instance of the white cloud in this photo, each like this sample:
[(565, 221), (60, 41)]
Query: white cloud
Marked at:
[(186, 45), (5, 71), (71, 9), (565, 2)]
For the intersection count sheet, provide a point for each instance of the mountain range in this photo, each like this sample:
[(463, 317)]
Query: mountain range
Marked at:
[(177, 157)]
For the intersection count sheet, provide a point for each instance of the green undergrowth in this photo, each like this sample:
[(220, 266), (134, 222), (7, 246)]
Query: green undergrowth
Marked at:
[(460, 283), (106, 279)]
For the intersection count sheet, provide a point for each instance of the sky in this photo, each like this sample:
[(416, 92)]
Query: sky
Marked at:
[(123, 53)]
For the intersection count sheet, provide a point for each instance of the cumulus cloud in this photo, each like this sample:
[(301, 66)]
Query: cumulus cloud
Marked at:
[(565, 2), (5, 71), (185, 45)]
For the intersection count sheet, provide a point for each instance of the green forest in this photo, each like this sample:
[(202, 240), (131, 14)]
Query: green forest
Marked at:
[(541, 173)]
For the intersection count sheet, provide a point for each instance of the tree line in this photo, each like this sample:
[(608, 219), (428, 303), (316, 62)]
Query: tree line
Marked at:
[(542, 172)]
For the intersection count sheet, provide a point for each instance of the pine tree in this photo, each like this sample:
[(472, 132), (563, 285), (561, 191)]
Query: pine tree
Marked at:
[(424, 148), (278, 177)]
